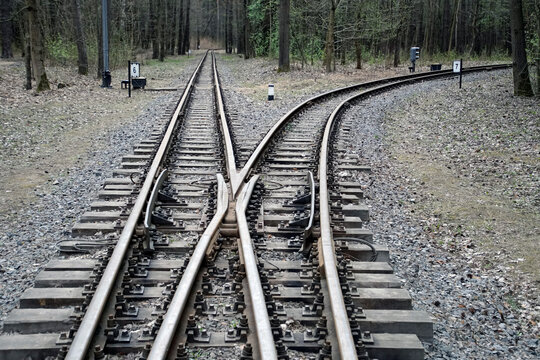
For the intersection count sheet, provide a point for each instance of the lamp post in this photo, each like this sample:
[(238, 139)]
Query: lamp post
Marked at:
[(106, 73)]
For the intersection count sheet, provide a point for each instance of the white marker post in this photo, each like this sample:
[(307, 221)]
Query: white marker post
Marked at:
[(270, 92), (458, 68), (135, 69)]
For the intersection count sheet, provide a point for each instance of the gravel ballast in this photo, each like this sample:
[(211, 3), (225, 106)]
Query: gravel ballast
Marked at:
[(479, 312), (484, 306), (29, 233)]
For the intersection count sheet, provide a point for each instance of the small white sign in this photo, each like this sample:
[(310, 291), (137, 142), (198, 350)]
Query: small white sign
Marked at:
[(457, 66), (135, 70)]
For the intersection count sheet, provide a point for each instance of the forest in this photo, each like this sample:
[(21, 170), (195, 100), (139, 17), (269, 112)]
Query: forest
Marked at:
[(326, 33)]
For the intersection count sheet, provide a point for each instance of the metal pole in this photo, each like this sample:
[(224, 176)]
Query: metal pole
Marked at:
[(104, 18), (129, 78)]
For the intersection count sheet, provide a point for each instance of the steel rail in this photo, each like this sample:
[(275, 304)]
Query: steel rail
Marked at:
[(347, 348), (85, 334), (152, 200), (309, 227), (255, 156), (167, 330), (265, 338), (229, 149), (307, 230)]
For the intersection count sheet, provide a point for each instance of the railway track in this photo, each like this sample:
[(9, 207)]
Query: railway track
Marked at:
[(189, 256)]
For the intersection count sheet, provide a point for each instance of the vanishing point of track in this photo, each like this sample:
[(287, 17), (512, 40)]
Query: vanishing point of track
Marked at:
[(187, 254)]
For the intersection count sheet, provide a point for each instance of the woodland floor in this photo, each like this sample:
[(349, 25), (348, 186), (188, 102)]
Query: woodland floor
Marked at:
[(44, 134)]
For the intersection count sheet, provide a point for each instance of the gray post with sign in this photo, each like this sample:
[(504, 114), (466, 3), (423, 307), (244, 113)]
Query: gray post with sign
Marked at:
[(458, 68), (414, 54)]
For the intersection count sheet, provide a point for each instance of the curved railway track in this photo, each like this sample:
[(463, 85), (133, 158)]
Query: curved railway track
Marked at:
[(189, 255)]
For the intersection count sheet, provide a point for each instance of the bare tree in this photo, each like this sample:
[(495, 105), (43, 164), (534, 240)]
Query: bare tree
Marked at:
[(6, 7), (357, 42), (522, 82), (82, 59), (329, 46), (36, 45), (27, 52), (162, 17), (186, 44), (180, 34), (284, 24), (250, 51), (154, 27)]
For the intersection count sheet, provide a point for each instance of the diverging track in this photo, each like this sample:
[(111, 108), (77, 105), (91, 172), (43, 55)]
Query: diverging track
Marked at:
[(189, 256)]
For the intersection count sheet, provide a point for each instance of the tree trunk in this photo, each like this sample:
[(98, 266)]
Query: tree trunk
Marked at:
[(474, 25), (445, 26), (154, 25), (358, 51), (419, 24), (161, 28), (6, 7), (284, 23), (186, 28), (27, 54), (180, 44), (250, 52), (397, 38), (522, 82), (228, 27), (329, 46), (37, 48), (171, 19), (82, 59), (357, 42), (218, 22), (241, 28), (198, 27)]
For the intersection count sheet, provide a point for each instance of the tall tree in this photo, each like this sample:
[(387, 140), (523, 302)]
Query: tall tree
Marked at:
[(180, 40), (228, 26), (6, 27), (162, 18), (27, 53), (397, 31), (82, 58), (329, 46), (522, 82), (36, 45), (240, 27), (250, 51), (186, 28), (284, 24), (357, 42), (154, 27)]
